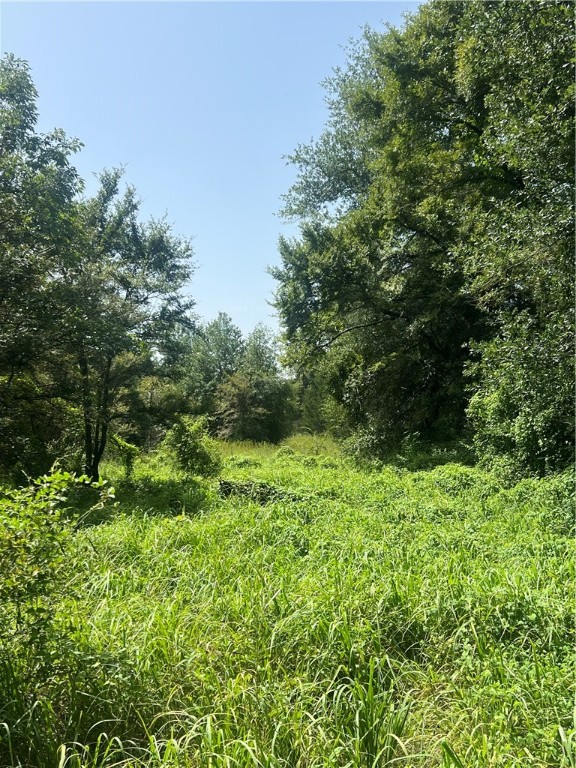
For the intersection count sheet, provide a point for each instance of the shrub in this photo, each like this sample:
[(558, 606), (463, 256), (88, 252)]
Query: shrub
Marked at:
[(255, 407), (284, 452), (522, 411), (243, 461), (34, 531), (196, 452), (128, 454)]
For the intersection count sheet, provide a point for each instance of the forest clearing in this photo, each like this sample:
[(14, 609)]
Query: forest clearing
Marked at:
[(349, 544)]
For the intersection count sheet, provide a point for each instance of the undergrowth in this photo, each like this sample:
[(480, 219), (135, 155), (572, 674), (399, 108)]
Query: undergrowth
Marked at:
[(347, 618)]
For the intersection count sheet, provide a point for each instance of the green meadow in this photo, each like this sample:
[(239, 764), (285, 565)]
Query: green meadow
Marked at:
[(304, 611)]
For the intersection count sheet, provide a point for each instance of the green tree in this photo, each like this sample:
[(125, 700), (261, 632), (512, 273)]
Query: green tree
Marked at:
[(461, 221), (196, 452), (260, 354), (123, 297), (38, 187), (256, 407), (380, 279), (256, 402), (213, 352), (519, 255), (90, 297)]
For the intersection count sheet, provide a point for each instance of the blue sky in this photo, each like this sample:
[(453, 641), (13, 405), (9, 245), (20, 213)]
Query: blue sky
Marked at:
[(199, 101)]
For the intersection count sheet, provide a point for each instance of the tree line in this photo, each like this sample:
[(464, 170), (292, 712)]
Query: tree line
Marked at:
[(97, 337), (430, 293), (428, 298)]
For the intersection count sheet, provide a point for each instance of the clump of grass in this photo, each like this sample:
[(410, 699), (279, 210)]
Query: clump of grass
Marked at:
[(247, 448), (242, 461)]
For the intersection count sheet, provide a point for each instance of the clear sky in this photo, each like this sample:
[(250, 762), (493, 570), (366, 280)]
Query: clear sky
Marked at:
[(199, 101)]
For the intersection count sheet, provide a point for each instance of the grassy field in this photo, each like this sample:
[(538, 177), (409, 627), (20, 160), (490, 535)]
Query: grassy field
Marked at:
[(317, 615)]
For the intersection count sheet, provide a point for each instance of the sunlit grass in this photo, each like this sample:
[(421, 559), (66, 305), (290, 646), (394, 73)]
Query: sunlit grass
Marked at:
[(368, 619)]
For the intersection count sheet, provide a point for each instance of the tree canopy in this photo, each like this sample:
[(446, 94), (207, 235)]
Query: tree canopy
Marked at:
[(429, 295), (435, 254), (89, 293)]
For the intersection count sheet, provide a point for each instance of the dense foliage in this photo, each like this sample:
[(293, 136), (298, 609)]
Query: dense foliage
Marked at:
[(195, 451), (429, 296), (237, 381), (434, 267), (89, 294), (34, 530)]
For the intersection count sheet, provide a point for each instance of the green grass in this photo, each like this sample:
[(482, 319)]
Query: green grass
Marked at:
[(364, 619)]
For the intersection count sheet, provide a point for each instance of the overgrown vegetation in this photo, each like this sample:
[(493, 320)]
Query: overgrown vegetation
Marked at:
[(97, 337), (195, 452), (428, 300), (393, 584), (346, 617)]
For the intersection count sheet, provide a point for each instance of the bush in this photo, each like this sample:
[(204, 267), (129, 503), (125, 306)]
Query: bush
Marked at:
[(34, 532), (258, 407), (128, 453), (522, 411), (196, 453), (243, 461)]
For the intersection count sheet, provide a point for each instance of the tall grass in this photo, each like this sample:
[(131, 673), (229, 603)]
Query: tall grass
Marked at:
[(364, 619)]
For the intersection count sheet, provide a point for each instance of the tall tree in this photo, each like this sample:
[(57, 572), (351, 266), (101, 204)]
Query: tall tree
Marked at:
[(213, 353), (123, 297), (434, 247), (256, 402), (89, 294), (260, 354), (519, 254), (38, 186)]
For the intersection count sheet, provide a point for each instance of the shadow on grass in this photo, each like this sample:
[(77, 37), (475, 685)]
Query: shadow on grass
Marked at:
[(155, 496), (421, 456), (149, 495)]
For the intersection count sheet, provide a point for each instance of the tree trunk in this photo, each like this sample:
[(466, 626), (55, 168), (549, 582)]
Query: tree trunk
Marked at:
[(95, 423), (86, 412)]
